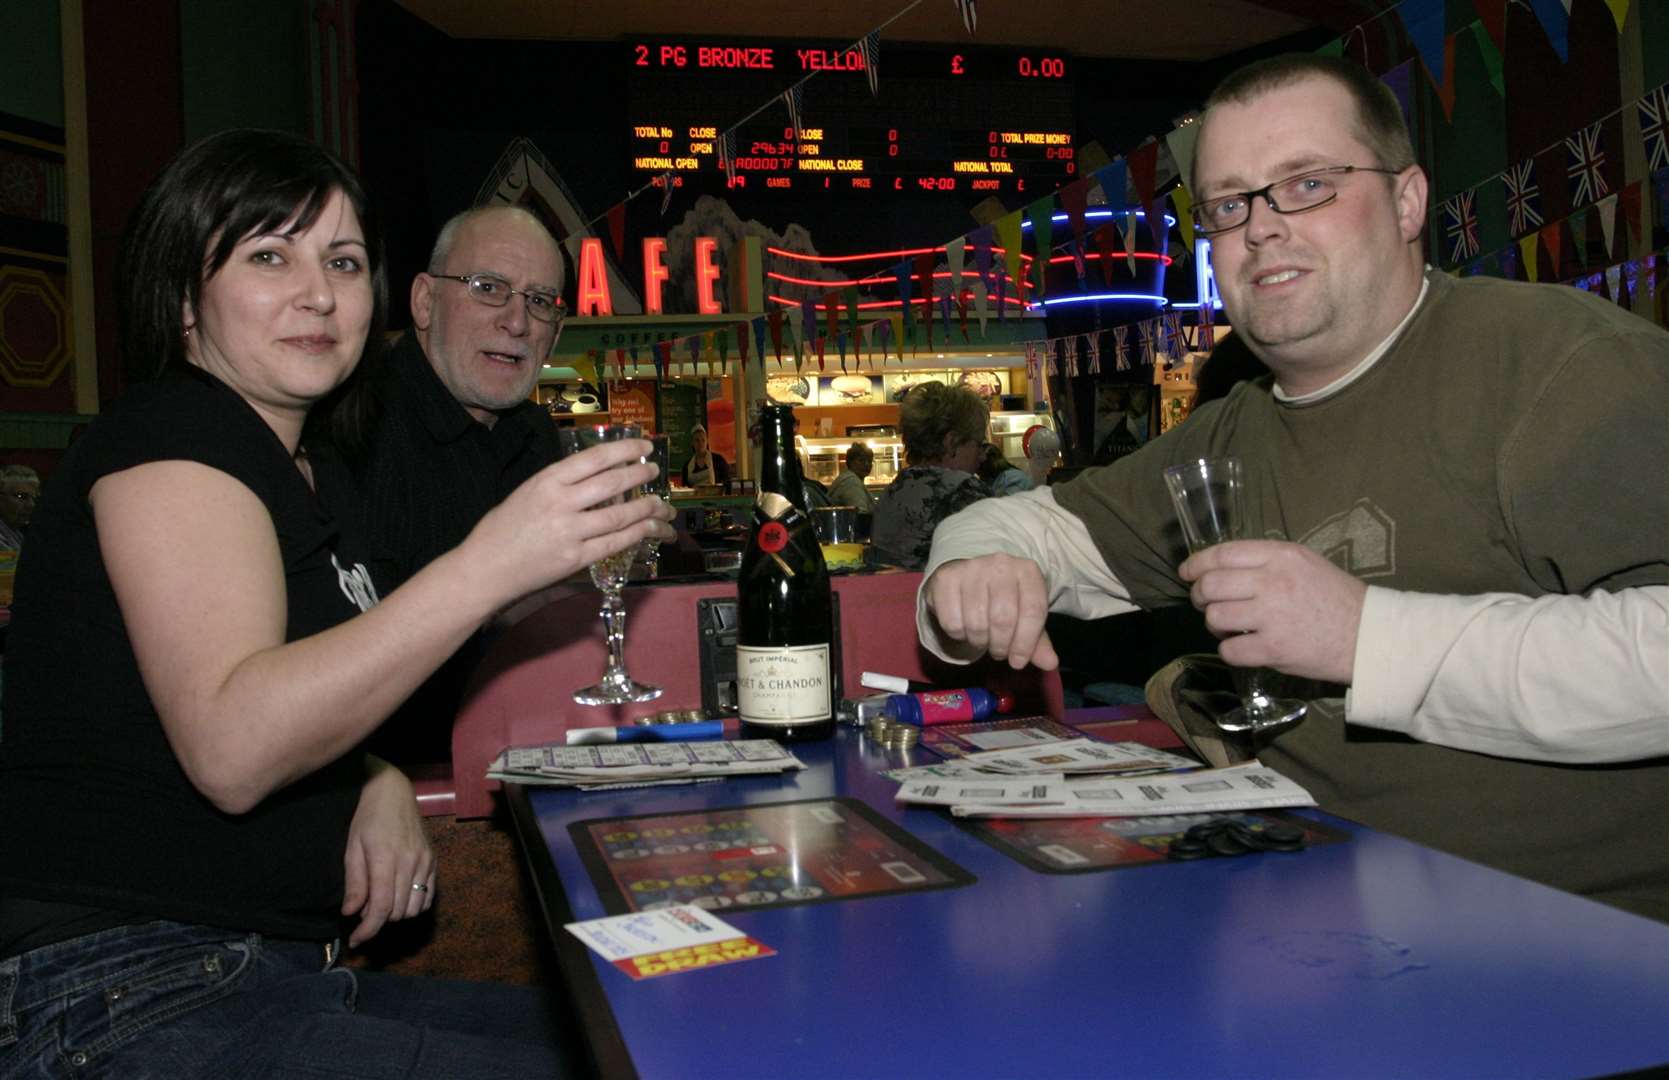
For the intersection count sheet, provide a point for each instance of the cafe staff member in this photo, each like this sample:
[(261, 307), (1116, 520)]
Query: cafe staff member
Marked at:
[(704, 467)]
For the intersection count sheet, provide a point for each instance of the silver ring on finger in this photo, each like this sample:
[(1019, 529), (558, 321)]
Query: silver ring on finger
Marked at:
[(420, 886)]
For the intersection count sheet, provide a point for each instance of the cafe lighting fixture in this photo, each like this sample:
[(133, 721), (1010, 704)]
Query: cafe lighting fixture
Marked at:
[(1133, 298)]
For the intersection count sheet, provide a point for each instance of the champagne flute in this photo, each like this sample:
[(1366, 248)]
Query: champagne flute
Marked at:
[(609, 574), (1207, 494), (661, 487)]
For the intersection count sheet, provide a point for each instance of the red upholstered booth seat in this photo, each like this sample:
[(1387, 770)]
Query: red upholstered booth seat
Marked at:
[(520, 695)]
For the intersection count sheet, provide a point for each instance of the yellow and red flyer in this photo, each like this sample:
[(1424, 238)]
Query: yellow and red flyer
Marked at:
[(648, 944)]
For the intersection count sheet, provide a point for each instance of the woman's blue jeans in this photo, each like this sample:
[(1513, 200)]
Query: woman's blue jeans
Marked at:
[(169, 1000)]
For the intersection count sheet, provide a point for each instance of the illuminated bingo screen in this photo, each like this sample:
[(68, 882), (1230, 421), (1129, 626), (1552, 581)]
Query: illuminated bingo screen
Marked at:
[(970, 121)]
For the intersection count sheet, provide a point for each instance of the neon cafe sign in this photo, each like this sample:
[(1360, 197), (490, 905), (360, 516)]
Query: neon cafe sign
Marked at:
[(593, 293)]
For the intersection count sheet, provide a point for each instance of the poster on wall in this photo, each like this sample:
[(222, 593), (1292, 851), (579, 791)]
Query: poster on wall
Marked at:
[(632, 402), (850, 390), (989, 383), (572, 399), (791, 388)]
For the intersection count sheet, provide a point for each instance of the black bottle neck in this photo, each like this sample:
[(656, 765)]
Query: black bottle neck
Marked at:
[(779, 465)]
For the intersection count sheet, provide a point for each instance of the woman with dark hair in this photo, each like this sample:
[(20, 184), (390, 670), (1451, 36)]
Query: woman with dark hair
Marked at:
[(944, 430), (196, 654), (1004, 477)]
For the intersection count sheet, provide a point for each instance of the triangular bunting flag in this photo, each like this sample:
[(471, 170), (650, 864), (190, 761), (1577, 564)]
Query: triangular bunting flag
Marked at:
[(1527, 247), (1143, 161), (1493, 15), (1181, 141), (869, 47), (793, 98), (1619, 12), (1490, 53), (970, 17), (1042, 216), (1552, 240), (667, 184), (1554, 15), (1613, 281), (1184, 215), (1608, 223), (1423, 20), (1654, 127), (1007, 232), (617, 229)]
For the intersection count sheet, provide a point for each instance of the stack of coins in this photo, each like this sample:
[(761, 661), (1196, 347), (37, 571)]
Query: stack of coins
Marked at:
[(672, 716), (890, 735)]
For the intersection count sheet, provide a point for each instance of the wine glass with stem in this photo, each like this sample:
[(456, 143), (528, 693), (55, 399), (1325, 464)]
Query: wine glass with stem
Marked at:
[(1207, 494), (609, 575), (661, 487)]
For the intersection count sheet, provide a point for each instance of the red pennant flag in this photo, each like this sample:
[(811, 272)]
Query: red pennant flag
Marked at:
[(1105, 239), (1073, 198), (1493, 14), (925, 262), (1551, 240), (1446, 88), (774, 320), (617, 229), (1143, 161)]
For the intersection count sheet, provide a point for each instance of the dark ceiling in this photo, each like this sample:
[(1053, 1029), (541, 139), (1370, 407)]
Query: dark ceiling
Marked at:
[(1191, 30)]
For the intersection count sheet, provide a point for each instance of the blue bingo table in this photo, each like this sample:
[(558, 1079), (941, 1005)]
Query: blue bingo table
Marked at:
[(1362, 955)]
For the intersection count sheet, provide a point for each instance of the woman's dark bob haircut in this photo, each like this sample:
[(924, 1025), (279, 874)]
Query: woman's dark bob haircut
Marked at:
[(217, 192)]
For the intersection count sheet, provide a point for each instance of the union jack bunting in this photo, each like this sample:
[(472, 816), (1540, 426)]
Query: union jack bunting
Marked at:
[(1121, 350), (1654, 127), (970, 17), (1144, 341), (794, 97), (1462, 223), (1523, 197), (1054, 361), (1178, 343), (1092, 343), (869, 47), (1072, 356), (1586, 160)]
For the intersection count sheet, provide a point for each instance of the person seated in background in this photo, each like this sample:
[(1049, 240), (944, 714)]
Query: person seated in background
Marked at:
[(452, 430), (20, 489), (199, 653), (704, 468), (1003, 475), (848, 488), (944, 429), (1481, 600)]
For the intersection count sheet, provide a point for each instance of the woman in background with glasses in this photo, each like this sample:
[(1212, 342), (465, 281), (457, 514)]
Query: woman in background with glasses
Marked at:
[(197, 653)]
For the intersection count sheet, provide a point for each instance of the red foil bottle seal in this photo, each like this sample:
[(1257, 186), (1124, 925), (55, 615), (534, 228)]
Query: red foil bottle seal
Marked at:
[(773, 537)]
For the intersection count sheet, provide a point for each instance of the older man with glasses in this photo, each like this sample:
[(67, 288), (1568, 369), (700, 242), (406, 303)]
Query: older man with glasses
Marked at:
[(458, 429), (1457, 490)]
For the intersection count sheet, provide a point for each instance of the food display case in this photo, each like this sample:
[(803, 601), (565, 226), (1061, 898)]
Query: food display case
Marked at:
[(1008, 431), (825, 457)]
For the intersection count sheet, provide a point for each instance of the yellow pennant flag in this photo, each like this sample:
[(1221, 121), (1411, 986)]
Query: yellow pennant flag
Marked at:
[(1007, 231), (1527, 248), (586, 368), (1619, 11), (898, 326), (1184, 204)]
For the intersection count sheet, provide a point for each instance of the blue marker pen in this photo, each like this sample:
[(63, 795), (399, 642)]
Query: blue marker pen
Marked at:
[(703, 729)]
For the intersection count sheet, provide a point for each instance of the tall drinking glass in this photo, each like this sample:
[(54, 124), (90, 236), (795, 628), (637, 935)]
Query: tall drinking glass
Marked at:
[(661, 487), (609, 575), (1207, 494)]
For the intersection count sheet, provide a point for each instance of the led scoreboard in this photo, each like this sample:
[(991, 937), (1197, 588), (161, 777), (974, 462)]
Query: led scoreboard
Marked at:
[(946, 120)]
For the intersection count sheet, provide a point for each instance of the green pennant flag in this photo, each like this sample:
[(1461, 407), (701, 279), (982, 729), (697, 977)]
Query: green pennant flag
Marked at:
[(1042, 216), (1491, 57), (1332, 48), (851, 295)]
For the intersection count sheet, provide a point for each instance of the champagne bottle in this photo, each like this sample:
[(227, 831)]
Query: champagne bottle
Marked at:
[(784, 612)]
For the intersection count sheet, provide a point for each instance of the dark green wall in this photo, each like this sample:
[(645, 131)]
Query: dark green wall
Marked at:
[(244, 64), (31, 62)]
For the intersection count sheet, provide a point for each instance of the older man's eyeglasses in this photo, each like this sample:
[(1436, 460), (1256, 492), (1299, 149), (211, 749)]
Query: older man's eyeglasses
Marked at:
[(1295, 195), (494, 291)]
